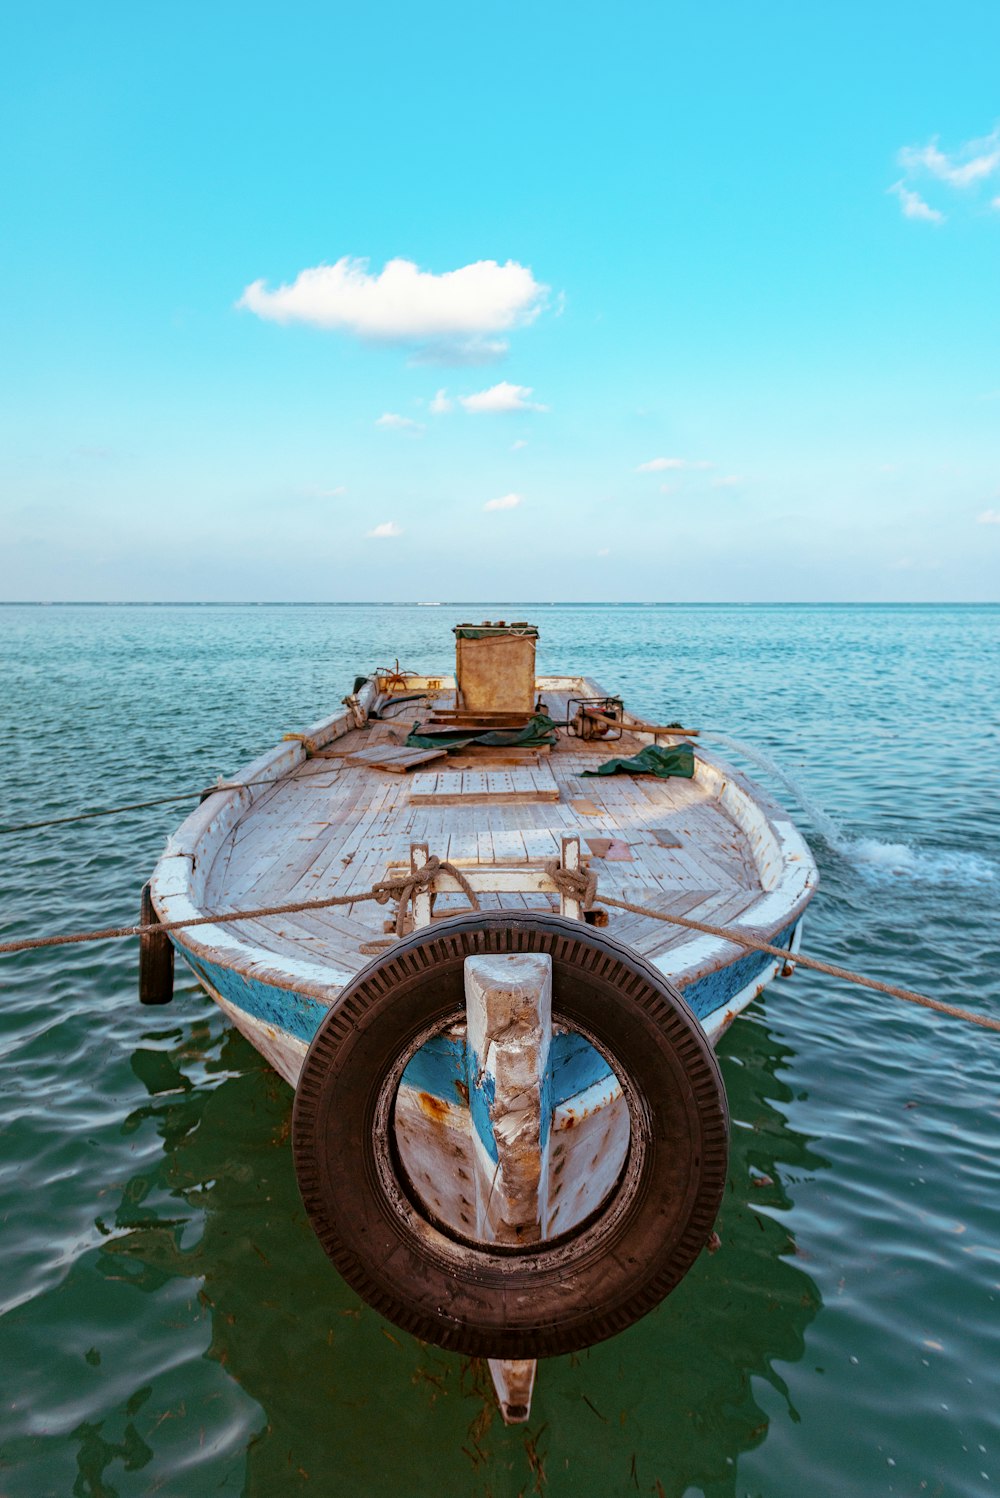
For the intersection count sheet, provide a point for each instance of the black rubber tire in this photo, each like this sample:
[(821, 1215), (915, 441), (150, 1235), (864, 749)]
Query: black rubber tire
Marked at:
[(483, 1299)]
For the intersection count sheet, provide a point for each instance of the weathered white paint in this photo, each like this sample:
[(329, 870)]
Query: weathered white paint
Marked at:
[(508, 1007), (421, 903), (590, 1138), (571, 907), (434, 1139), (221, 944), (514, 1380), (283, 1051), (587, 1149)]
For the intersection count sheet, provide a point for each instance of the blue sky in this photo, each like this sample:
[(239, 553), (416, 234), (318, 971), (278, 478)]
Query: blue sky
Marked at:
[(712, 295)]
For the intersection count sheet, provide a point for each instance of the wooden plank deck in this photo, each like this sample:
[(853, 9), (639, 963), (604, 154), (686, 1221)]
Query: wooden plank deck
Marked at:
[(346, 814)]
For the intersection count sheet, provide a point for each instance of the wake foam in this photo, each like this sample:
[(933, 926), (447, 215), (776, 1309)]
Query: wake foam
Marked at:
[(875, 860), (879, 861)]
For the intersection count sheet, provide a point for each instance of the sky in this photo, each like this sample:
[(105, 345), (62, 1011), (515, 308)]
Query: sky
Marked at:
[(653, 302)]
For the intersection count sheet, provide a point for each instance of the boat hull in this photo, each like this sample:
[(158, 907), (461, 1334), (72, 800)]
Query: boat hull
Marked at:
[(276, 980), (281, 1023)]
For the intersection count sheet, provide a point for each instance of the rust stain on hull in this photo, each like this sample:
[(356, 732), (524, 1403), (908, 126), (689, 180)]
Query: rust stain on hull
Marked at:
[(434, 1107)]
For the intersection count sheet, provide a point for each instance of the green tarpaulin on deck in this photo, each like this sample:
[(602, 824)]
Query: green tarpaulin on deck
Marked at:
[(677, 760), (537, 731), (495, 631)]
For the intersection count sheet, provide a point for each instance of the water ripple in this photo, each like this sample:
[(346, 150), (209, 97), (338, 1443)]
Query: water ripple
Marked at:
[(169, 1323)]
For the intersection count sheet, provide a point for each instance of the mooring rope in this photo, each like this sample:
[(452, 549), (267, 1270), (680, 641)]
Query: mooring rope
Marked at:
[(577, 883), (405, 886), (402, 889), (112, 811), (583, 887)]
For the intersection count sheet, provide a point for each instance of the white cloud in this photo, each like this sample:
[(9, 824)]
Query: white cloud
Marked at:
[(913, 205), (402, 303), (384, 531), (502, 397), (995, 203), (605, 551), (441, 405), (661, 465), (505, 502), (394, 422), (973, 162), (989, 517), (516, 447)]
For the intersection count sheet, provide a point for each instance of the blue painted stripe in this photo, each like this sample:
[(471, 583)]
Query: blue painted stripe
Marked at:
[(440, 1066), (575, 1066), (482, 1096), (717, 989), (294, 1013)]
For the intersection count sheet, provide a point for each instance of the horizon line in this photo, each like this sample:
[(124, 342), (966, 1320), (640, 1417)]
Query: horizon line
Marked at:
[(630, 603)]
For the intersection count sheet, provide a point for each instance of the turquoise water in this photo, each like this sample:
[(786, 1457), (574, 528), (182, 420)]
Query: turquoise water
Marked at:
[(169, 1326)]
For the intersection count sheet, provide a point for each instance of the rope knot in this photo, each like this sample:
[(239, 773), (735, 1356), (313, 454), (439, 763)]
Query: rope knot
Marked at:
[(577, 884), (403, 888)]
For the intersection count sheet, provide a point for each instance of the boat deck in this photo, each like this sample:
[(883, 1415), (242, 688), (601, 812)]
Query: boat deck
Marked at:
[(335, 825)]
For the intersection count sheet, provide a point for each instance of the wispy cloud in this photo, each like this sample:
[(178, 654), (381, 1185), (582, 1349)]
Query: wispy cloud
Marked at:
[(728, 481), (966, 168), (313, 491), (516, 447), (973, 162), (913, 205), (454, 312), (441, 405), (505, 502), (385, 531), (662, 465), (989, 517), (502, 397), (396, 423)]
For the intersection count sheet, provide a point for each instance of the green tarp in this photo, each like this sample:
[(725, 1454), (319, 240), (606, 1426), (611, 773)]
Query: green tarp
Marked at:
[(495, 631), (677, 760), (539, 730)]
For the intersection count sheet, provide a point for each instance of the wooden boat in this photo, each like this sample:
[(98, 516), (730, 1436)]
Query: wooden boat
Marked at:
[(510, 1132)]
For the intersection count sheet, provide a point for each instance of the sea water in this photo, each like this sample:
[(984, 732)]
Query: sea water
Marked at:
[(170, 1326)]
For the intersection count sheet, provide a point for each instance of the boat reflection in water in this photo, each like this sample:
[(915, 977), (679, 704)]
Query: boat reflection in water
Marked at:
[(349, 1404)]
